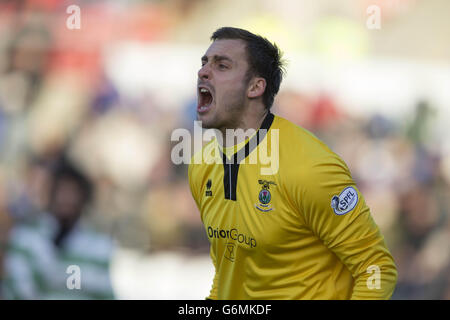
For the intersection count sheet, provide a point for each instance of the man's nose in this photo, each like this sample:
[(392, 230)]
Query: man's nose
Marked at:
[(205, 72)]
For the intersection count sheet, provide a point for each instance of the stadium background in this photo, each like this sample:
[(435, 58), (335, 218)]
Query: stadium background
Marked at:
[(110, 94)]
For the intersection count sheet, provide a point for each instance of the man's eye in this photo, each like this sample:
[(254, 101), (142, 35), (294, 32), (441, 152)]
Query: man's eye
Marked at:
[(222, 66)]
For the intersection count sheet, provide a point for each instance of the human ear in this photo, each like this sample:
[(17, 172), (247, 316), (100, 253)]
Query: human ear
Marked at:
[(256, 88)]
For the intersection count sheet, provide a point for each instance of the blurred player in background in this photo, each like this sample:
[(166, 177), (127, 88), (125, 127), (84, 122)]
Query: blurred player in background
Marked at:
[(42, 252), (301, 231)]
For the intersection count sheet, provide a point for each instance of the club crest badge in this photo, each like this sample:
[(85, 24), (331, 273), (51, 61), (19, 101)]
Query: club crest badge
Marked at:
[(265, 196)]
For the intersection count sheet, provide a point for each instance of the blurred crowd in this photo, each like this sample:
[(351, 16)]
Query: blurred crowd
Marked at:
[(59, 105)]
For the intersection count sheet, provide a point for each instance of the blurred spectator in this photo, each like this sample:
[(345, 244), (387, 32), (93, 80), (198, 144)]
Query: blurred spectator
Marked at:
[(26, 61), (30, 195), (41, 249)]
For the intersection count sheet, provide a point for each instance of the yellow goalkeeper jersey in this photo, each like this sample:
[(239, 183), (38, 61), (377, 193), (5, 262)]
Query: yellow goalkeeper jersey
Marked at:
[(285, 220)]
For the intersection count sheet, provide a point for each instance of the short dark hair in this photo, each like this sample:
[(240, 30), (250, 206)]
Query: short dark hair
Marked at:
[(264, 59)]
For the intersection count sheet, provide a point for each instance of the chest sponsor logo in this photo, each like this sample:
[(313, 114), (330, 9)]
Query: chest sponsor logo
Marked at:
[(231, 234), (265, 196), (345, 202)]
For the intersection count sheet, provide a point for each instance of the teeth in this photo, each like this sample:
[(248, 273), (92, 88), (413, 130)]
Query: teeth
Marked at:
[(203, 90)]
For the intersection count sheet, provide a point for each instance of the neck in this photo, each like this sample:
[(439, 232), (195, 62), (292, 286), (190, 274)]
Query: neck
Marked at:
[(248, 121)]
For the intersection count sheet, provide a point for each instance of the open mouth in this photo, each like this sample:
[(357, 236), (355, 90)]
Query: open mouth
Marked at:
[(205, 100)]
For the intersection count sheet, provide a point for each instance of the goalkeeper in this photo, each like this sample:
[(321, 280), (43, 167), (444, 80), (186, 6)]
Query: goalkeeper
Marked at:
[(298, 228)]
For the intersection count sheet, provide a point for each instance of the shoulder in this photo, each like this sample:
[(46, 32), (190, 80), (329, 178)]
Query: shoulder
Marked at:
[(303, 153), (31, 238), (202, 158), (85, 241), (33, 229), (302, 143)]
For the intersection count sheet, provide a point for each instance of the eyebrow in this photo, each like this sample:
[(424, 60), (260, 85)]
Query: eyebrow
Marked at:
[(217, 58)]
